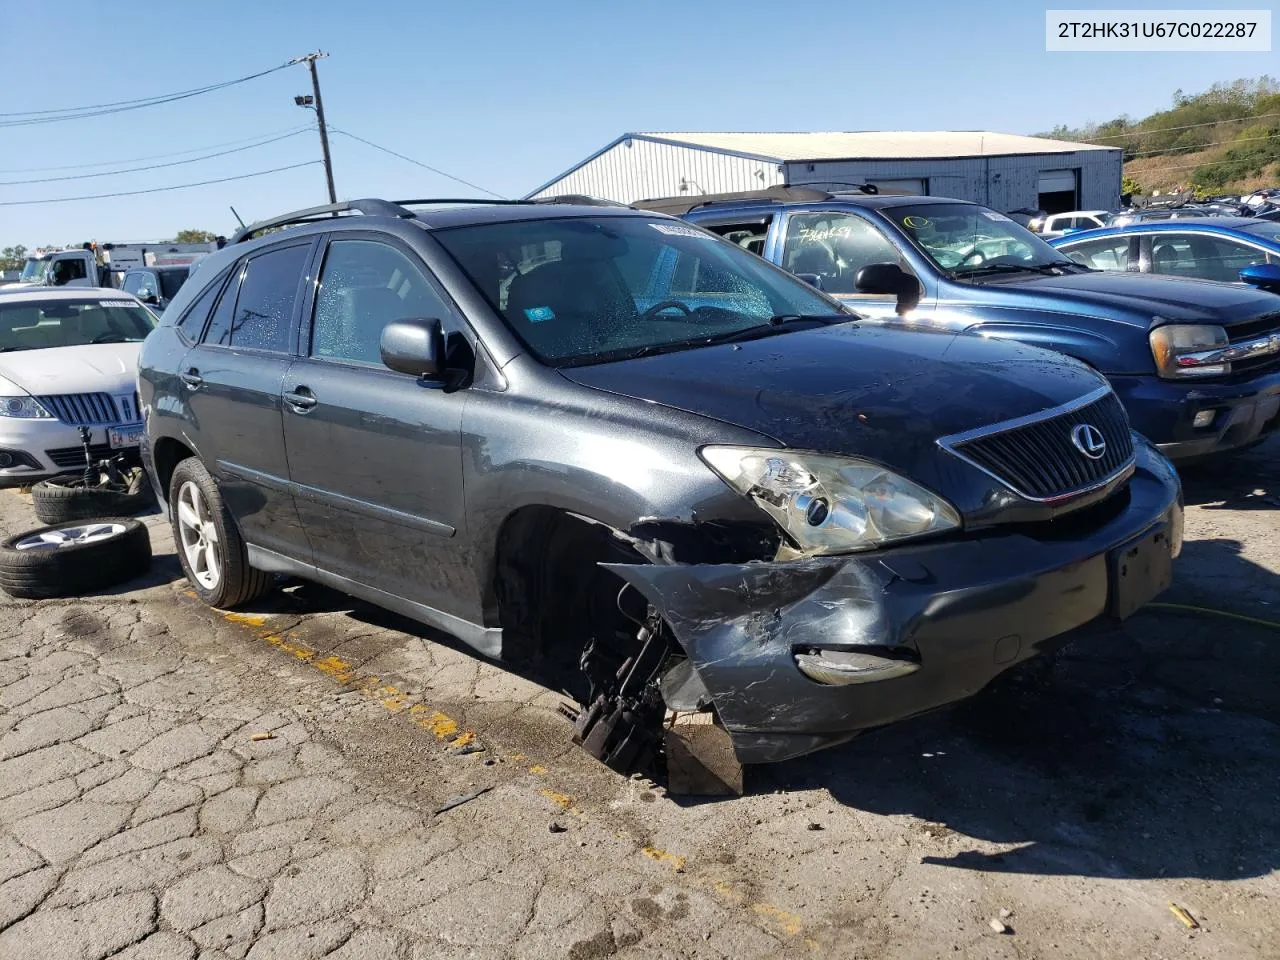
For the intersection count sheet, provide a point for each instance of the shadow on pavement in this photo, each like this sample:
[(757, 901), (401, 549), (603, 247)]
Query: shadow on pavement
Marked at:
[(1148, 750), (1242, 481)]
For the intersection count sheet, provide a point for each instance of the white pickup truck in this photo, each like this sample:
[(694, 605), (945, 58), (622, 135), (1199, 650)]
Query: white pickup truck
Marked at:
[(105, 265)]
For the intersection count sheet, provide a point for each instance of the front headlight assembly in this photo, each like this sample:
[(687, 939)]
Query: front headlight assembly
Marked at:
[(1187, 350), (829, 504), (23, 408)]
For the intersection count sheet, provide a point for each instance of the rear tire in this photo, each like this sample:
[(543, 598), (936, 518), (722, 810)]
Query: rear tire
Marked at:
[(209, 545), (74, 559)]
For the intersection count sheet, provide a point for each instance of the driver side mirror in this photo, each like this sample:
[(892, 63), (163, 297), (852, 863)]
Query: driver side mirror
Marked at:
[(1264, 276), (149, 297), (890, 279), (415, 347)]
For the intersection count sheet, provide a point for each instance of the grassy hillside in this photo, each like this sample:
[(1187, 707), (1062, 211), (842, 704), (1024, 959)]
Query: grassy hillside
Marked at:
[(1224, 140)]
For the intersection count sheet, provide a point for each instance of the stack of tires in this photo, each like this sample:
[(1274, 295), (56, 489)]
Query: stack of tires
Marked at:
[(89, 540)]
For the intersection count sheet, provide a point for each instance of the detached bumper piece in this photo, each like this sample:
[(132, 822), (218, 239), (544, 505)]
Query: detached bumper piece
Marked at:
[(800, 655)]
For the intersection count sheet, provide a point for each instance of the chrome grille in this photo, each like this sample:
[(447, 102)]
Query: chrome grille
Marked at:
[(1252, 330), (1036, 457), (1268, 323), (91, 409)]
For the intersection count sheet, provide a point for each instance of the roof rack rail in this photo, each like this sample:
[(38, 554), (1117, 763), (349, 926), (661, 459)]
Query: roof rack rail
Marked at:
[(580, 199), (574, 198), (431, 201), (369, 207), (678, 206)]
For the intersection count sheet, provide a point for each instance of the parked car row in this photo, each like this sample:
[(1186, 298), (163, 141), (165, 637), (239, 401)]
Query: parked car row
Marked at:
[(807, 462)]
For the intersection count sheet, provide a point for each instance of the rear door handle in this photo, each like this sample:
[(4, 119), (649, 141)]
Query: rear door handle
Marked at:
[(192, 378), (301, 399)]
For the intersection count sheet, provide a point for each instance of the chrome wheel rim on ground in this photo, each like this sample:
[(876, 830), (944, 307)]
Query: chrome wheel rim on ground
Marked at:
[(199, 536), (69, 536)]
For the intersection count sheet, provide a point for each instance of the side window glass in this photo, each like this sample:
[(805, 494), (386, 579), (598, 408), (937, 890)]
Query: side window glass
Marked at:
[(1224, 259), (1171, 256), (64, 271), (192, 321), (171, 282), (1109, 253), (219, 332), (749, 236), (365, 285), (132, 283), (835, 246), (264, 307)]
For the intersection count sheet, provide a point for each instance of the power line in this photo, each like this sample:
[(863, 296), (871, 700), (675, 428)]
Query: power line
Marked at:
[(1189, 126), (153, 166), (419, 163), (156, 156), (1199, 147), (134, 193), (121, 106)]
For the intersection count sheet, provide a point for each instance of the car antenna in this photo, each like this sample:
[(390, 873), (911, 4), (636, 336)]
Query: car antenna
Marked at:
[(237, 216)]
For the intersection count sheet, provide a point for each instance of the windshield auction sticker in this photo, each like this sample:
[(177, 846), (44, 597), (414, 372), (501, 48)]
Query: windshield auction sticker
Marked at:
[(1165, 31)]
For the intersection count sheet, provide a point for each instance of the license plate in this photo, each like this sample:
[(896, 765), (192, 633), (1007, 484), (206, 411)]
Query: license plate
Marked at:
[(1140, 571), (123, 437)]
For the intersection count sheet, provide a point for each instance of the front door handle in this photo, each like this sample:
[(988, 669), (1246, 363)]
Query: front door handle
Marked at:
[(193, 379), (301, 399)]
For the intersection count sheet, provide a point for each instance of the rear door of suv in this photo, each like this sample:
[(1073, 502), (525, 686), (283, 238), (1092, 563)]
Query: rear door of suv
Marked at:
[(231, 383), (375, 456)]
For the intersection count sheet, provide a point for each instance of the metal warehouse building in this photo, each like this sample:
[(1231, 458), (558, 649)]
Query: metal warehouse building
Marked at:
[(1002, 170)]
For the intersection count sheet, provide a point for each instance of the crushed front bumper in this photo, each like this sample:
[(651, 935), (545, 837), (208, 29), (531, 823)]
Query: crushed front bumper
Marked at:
[(962, 610)]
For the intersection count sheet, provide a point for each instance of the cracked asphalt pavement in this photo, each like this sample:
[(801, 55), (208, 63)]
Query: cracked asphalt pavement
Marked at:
[(176, 782)]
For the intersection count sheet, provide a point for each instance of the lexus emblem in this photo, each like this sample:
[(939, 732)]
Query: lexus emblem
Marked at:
[(1089, 440)]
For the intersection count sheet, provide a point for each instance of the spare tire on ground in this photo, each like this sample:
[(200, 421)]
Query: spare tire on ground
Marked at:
[(67, 498), (69, 559)]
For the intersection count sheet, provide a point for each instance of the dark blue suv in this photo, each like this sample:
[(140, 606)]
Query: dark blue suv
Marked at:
[(1196, 363)]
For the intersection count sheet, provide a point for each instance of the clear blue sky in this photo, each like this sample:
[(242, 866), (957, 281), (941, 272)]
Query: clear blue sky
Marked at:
[(508, 94)]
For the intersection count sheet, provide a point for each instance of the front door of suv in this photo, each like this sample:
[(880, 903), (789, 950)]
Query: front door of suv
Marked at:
[(375, 456), (231, 383)]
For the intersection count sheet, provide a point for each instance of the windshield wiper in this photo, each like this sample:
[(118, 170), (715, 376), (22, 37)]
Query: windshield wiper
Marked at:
[(777, 324), (1048, 269), (770, 327)]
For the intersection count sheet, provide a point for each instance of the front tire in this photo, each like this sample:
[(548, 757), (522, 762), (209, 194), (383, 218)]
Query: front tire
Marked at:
[(209, 545)]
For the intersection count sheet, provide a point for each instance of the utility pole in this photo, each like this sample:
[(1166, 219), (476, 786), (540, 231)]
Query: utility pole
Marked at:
[(310, 60)]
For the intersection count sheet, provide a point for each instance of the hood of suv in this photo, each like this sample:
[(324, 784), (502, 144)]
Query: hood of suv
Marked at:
[(1135, 298), (99, 367), (858, 391)]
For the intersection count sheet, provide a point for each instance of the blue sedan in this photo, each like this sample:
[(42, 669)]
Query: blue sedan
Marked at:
[(1207, 248)]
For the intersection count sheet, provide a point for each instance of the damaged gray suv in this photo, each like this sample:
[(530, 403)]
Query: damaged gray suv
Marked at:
[(612, 441)]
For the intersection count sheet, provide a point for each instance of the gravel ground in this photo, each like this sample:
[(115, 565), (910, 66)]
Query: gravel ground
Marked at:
[(176, 782)]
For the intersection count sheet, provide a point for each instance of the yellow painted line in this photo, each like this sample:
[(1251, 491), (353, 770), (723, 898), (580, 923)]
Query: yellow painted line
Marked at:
[(789, 922), (445, 728), (248, 619), (334, 667), (662, 856), (561, 800), (390, 698)]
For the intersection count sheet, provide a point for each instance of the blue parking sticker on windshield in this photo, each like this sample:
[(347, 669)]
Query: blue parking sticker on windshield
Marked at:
[(539, 314)]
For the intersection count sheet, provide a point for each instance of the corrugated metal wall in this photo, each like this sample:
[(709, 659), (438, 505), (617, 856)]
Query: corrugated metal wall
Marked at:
[(643, 170), (1003, 183), (638, 169)]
